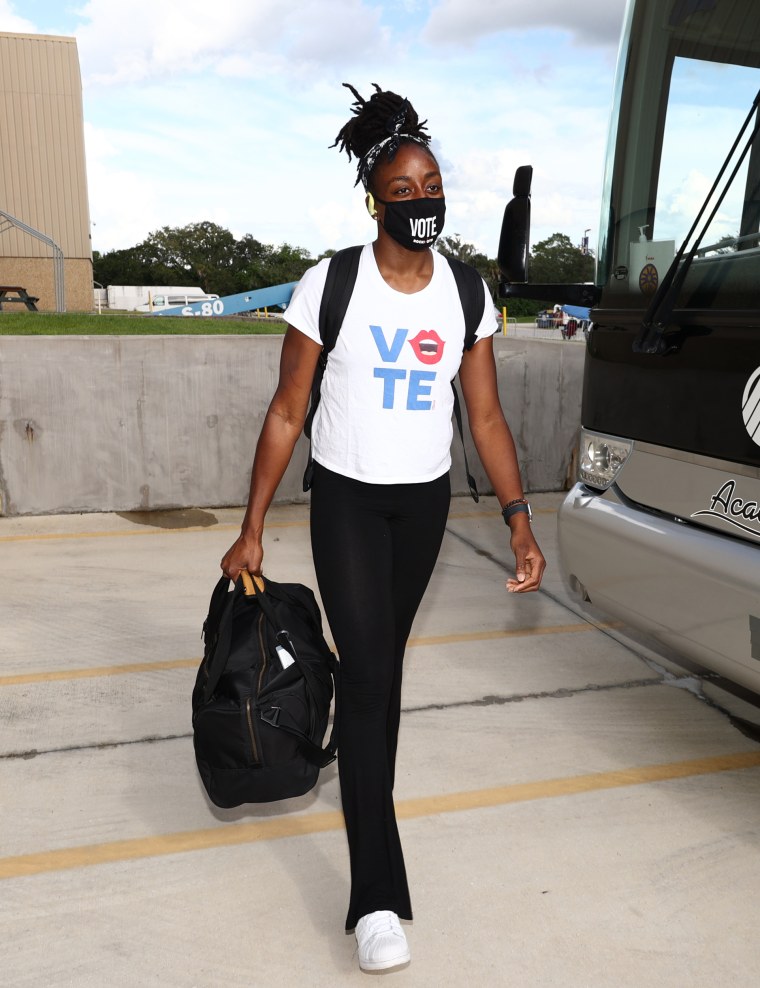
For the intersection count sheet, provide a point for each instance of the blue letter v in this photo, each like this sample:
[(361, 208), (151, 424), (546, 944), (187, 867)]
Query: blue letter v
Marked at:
[(389, 355)]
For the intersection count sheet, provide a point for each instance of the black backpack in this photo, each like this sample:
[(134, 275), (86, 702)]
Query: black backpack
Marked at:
[(258, 725), (339, 285)]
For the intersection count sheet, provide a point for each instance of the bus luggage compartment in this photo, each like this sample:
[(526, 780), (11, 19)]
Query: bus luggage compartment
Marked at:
[(693, 591)]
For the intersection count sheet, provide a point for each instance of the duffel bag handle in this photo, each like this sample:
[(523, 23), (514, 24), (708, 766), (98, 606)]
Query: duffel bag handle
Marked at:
[(218, 625), (251, 583), (217, 633)]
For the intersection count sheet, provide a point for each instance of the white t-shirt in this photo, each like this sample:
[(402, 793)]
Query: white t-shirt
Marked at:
[(384, 416)]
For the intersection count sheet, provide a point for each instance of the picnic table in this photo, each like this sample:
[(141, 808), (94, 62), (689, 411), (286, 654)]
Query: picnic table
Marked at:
[(15, 293)]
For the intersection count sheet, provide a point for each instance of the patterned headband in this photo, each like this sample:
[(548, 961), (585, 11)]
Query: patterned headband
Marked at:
[(393, 127), (367, 163)]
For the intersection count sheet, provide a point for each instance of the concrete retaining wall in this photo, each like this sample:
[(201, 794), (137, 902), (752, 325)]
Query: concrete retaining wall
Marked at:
[(137, 422)]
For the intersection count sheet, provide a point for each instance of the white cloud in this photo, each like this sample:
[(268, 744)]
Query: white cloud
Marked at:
[(148, 39), (708, 105), (565, 194), (340, 222), (226, 113), (120, 197), (590, 22), (255, 157), (559, 126), (10, 21)]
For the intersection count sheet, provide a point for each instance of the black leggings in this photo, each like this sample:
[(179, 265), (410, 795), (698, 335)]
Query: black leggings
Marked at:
[(375, 546)]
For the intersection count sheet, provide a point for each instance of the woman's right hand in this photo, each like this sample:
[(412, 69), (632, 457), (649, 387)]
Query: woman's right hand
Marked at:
[(246, 553)]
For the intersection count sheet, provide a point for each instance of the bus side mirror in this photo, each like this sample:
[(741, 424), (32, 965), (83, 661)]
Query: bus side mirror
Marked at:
[(515, 229)]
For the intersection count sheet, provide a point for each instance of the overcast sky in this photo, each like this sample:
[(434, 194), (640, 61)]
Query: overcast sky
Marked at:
[(224, 111)]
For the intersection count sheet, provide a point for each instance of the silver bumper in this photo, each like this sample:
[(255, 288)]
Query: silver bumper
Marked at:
[(697, 592)]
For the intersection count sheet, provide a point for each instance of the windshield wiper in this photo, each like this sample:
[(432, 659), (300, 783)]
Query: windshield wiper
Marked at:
[(654, 337)]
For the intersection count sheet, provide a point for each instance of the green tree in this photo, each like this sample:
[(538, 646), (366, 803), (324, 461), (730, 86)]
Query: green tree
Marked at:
[(208, 255), (122, 267), (203, 252), (557, 261), (727, 245), (286, 263), (454, 246), (521, 306), (252, 258)]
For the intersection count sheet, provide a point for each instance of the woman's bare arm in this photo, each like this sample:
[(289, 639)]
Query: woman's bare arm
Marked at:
[(496, 449), (282, 426)]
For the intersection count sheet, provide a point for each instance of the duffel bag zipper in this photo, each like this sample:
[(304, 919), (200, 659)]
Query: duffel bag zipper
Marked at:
[(248, 706), (263, 652), (251, 733)]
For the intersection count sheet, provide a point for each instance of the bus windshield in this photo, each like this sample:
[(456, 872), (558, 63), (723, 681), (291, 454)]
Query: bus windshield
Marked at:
[(692, 74)]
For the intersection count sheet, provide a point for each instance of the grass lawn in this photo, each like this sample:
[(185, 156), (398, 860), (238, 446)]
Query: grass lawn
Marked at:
[(126, 324), (138, 324)]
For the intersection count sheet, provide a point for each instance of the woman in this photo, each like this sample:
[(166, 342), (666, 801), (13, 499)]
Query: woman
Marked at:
[(380, 489)]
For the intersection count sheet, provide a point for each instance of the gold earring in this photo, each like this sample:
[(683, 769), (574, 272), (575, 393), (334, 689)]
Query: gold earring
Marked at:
[(371, 206)]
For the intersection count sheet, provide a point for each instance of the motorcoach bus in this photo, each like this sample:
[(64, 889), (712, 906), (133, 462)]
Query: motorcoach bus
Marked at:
[(662, 529)]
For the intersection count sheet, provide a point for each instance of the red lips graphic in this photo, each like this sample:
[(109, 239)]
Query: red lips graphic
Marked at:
[(428, 346)]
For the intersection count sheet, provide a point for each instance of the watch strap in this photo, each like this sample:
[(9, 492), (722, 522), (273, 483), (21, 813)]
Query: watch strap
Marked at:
[(514, 508)]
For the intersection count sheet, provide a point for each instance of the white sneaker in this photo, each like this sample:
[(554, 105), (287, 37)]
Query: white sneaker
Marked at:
[(382, 943)]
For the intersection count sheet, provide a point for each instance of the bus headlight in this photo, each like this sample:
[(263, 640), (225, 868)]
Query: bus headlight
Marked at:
[(601, 458)]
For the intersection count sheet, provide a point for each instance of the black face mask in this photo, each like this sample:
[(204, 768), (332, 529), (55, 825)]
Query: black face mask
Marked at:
[(414, 223)]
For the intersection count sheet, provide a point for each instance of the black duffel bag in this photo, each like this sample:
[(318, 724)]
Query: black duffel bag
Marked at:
[(262, 695)]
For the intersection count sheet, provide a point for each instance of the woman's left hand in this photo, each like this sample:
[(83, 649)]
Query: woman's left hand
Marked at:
[(529, 561)]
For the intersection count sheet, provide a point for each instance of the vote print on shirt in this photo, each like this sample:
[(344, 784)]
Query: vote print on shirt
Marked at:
[(410, 389)]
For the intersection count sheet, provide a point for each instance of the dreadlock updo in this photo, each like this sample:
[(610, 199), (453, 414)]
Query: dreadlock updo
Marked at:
[(380, 124)]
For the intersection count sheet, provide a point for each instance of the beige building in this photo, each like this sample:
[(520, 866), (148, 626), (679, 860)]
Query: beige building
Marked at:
[(43, 182)]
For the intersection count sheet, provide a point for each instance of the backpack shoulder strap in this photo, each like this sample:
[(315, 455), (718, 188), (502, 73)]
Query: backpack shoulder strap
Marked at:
[(472, 296), (339, 286)]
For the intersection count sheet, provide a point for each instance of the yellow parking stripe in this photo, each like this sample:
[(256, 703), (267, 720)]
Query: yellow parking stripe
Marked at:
[(128, 532), (24, 678), (524, 792), (484, 636), (277, 828)]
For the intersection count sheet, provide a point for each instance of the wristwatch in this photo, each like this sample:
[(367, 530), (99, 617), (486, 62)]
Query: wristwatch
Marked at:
[(514, 507)]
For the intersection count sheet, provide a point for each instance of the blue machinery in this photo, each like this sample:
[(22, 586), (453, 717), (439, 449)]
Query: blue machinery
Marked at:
[(230, 305)]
